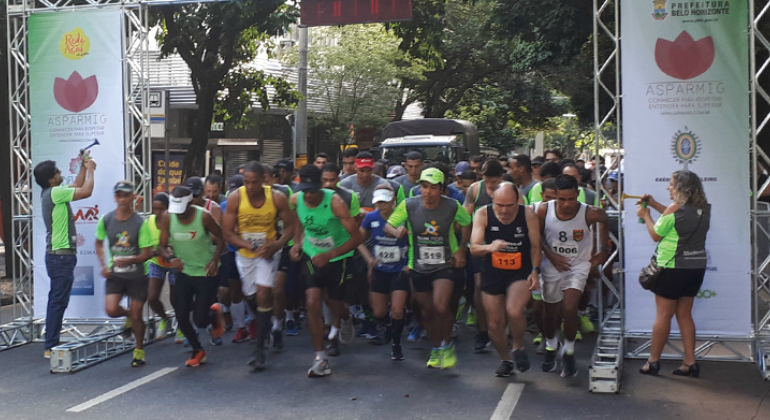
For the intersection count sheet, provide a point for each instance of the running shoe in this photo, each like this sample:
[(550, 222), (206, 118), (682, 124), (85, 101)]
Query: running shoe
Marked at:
[(138, 358), (435, 358), (482, 342), (538, 339), (127, 325), (395, 353), (253, 329), (549, 364), (228, 321), (241, 336), (378, 336), (257, 361), (347, 331), (179, 339), (455, 331), (460, 310), (217, 341), (586, 326), (540, 348), (448, 357), (333, 349), (521, 359), (291, 328), (198, 358), (218, 327), (578, 336), (472, 320), (505, 369), (414, 335), (570, 368), (277, 341), (319, 369), (366, 329), (163, 327)]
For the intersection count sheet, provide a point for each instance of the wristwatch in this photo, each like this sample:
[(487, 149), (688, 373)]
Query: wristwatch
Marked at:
[(537, 269)]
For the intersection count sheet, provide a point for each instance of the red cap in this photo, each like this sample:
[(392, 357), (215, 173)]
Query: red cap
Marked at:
[(365, 163)]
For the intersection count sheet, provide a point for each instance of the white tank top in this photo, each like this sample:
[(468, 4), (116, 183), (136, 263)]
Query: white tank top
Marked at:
[(572, 238)]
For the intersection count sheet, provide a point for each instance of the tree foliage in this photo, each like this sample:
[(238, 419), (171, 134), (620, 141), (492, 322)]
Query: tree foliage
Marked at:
[(219, 41)]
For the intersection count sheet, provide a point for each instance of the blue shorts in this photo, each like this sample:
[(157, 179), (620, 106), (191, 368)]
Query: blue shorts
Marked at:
[(158, 272)]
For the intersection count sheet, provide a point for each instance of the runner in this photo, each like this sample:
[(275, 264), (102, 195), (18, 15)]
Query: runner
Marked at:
[(126, 272), (364, 181), (250, 224), (476, 164), (212, 189), (160, 269), (386, 258), (549, 194), (567, 229), (190, 230), (413, 163), (507, 235), (584, 195), (320, 160), (549, 170), (349, 162), (230, 286), (286, 173), (435, 258), (521, 170), (327, 238)]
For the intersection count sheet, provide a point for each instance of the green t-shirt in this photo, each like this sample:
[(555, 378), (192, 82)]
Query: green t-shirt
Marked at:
[(323, 230), (536, 193), (126, 238), (683, 233), (58, 218)]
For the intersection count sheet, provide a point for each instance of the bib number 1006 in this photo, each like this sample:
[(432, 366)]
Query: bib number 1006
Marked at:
[(565, 250)]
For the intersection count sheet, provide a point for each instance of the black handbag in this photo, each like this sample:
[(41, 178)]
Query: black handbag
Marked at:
[(649, 275)]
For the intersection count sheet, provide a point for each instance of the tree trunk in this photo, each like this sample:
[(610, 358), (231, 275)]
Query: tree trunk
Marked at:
[(195, 159), (5, 152)]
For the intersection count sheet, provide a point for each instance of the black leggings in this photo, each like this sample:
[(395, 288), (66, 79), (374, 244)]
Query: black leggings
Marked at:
[(196, 295)]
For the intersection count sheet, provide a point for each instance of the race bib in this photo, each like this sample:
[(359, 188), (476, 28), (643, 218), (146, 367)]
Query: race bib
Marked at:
[(506, 260), (566, 249), (325, 244), (432, 255), (123, 270), (387, 254), (255, 238)]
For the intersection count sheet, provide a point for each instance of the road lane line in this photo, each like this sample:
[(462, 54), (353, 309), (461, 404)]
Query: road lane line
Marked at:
[(508, 402), (118, 391)]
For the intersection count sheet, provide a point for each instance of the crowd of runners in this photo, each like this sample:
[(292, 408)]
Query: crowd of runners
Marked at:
[(413, 248)]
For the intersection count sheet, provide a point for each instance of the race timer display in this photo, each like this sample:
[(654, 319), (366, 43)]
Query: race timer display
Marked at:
[(345, 12)]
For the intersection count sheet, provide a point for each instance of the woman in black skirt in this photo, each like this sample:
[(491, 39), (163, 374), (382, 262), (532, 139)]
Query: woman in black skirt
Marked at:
[(681, 253)]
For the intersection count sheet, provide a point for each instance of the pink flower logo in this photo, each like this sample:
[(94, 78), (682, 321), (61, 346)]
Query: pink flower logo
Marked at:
[(684, 58), (75, 94)]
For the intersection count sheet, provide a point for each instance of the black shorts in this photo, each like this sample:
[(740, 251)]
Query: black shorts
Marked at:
[(385, 283), (675, 283), (424, 282), (228, 269), (356, 280), (475, 264), (330, 277), (136, 288), (498, 285)]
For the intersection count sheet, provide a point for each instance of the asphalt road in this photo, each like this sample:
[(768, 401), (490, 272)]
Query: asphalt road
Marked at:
[(365, 384)]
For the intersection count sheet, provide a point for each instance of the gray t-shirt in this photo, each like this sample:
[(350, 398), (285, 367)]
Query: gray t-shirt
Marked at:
[(365, 194), (407, 184), (126, 238), (524, 191)]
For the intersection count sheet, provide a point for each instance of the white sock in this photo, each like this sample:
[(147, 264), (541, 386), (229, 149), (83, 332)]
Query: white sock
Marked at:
[(569, 347), (333, 332), (225, 309), (552, 343), (327, 314), (238, 311), (289, 315), (320, 354), (277, 324), (445, 343)]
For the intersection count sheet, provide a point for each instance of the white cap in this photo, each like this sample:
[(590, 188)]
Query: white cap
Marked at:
[(177, 205), (382, 195)]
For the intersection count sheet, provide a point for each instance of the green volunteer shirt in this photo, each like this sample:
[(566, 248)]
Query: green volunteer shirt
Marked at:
[(58, 218)]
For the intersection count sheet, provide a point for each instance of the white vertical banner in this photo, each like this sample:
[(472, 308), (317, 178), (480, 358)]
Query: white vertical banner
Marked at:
[(685, 84), (76, 101)]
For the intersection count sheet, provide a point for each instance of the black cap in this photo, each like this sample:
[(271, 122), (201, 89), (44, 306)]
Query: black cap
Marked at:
[(285, 164), (309, 178), (194, 184), (236, 181), (123, 186), (538, 160)]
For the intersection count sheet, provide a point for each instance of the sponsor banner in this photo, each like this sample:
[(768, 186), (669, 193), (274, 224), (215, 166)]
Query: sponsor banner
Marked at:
[(76, 102), (686, 106)]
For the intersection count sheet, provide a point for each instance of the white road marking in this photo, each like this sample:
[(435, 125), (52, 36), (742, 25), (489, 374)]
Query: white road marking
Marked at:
[(122, 390), (508, 402)]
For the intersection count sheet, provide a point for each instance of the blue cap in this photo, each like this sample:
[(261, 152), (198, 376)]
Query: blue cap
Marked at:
[(462, 166)]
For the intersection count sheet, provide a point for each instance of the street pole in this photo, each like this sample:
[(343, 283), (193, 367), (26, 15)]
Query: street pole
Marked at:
[(301, 120), (167, 137)]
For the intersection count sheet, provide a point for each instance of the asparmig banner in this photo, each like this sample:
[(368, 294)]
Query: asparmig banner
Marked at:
[(76, 101), (685, 81)]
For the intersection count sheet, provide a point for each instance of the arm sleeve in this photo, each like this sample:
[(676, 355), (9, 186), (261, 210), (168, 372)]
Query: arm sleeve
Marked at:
[(355, 206), (61, 195), (462, 217), (145, 237), (399, 215), (665, 224), (401, 196), (101, 232)]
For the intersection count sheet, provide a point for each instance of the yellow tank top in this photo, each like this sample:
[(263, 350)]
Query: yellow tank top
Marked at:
[(257, 225)]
